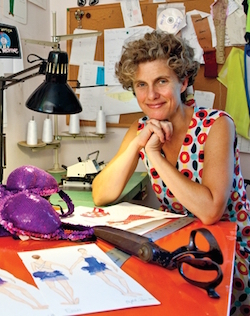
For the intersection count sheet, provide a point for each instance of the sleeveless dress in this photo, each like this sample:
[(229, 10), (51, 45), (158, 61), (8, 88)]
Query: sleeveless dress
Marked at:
[(190, 163), (50, 275), (94, 266)]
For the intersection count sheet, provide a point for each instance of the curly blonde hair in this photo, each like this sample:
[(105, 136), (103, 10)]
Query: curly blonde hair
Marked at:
[(179, 57)]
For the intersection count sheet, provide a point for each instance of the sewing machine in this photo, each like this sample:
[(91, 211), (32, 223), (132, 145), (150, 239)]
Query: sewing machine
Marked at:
[(82, 174)]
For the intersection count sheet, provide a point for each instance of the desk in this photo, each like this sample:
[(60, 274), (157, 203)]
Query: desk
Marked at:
[(135, 185), (177, 297)]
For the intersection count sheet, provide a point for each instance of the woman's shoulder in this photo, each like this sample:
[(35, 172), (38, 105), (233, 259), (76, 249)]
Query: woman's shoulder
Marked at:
[(204, 112)]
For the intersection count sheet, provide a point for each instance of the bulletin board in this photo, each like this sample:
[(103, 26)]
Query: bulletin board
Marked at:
[(109, 16)]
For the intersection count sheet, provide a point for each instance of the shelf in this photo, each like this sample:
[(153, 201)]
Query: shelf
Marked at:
[(56, 143), (81, 136), (40, 145)]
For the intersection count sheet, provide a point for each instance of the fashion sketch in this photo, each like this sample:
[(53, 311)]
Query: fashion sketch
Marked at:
[(54, 279), (9, 287), (103, 270)]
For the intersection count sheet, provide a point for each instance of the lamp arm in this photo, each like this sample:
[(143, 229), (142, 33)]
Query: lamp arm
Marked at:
[(11, 79)]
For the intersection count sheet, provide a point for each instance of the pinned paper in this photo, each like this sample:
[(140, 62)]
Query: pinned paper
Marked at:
[(114, 40), (83, 49), (100, 76), (131, 12), (190, 35)]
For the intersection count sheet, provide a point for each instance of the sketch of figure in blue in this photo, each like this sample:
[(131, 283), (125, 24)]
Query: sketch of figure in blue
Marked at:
[(11, 7), (8, 286), (97, 267), (52, 278)]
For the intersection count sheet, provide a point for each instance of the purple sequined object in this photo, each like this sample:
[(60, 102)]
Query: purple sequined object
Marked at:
[(35, 180), (36, 215), (32, 179), (25, 210)]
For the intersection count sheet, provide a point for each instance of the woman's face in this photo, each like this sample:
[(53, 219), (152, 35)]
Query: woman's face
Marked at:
[(158, 90)]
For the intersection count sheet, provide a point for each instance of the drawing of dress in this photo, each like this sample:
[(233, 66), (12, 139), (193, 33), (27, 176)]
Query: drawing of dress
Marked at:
[(131, 218), (96, 212), (50, 276), (94, 266)]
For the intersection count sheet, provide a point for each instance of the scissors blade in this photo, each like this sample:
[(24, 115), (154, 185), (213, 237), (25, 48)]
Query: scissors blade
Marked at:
[(134, 244)]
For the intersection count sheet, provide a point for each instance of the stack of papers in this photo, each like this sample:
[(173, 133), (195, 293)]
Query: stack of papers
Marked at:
[(127, 216)]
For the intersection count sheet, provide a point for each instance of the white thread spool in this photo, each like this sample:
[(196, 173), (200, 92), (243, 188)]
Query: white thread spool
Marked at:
[(47, 136), (101, 122), (74, 124), (32, 132)]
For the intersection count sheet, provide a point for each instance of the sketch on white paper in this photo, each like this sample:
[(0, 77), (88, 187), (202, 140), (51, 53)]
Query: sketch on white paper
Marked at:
[(20, 298), (56, 280), (91, 275), (131, 13), (103, 270), (122, 215)]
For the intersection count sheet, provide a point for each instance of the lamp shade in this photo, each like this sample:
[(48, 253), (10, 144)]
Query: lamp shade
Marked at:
[(54, 95)]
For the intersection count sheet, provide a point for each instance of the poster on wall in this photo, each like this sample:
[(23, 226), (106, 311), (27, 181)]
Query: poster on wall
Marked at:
[(9, 42), (16, 10), (40, 3)]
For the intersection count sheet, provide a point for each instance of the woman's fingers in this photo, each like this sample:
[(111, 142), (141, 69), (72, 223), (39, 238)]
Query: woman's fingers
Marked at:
[(167, 128), (163, 129)]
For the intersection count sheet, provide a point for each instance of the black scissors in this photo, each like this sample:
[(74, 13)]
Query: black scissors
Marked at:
[(145, 249)]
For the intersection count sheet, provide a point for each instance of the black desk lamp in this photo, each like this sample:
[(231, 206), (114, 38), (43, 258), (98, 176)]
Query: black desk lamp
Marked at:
[(53, 96)]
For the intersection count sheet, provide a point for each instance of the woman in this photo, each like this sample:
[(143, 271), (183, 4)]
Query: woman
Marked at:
[(190, 153)]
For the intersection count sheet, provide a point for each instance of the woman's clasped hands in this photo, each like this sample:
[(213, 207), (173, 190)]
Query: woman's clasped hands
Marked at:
[(156, 134)]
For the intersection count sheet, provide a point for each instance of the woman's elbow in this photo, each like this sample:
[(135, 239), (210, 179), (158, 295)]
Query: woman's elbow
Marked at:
[(209, 221), (102, 198), (211, 217), (97, 197)]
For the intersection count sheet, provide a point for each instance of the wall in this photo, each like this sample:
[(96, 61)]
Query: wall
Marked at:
[(17, 114)]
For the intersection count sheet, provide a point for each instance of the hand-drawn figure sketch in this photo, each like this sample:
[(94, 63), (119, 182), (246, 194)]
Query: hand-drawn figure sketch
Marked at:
[(8, 286), (44, 271), (131, 218), (96, 212), (100, 268)]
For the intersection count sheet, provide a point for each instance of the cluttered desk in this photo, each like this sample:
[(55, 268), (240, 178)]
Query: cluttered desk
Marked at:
[(131, 286)]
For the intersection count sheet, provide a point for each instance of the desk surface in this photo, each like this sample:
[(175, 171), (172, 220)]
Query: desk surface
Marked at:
[(84, 196), (177, 297)]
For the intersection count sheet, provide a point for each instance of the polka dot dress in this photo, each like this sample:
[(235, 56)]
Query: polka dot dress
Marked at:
[(190, 163)]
